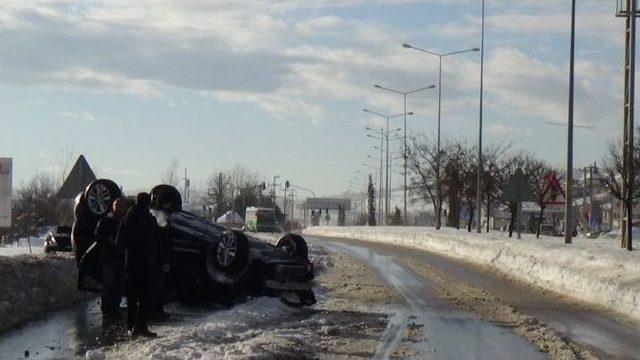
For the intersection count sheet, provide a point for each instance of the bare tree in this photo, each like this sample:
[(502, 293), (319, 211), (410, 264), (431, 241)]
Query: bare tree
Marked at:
[(171, 176), (38, 205), (421, 163), (538, 172), (245, 188), (493, 157), (508, 168), (218, 193), (65, 161), (612, 172)]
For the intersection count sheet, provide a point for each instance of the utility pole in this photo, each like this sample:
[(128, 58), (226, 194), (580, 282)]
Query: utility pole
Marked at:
[(480, 167), (629, 11), (568, 209)]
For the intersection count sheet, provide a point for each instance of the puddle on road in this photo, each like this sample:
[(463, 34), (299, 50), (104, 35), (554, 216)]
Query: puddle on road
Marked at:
[(66, 334)]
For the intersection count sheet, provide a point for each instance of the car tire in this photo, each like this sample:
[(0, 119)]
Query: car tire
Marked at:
[(294, 245), (162, 194), (228, 259), (98, 198)]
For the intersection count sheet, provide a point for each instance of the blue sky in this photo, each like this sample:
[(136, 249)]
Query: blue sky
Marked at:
[(279, 86)]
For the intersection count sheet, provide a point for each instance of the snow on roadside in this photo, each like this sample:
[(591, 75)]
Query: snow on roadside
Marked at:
[(37, 247), (34, 284), (346, 323), (595, 271)]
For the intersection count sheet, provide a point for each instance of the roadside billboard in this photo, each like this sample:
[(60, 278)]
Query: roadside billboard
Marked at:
[(327, 203), (5, 191)]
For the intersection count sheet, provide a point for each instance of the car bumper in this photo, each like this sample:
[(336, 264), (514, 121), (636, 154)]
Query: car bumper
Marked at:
[(290, 277)]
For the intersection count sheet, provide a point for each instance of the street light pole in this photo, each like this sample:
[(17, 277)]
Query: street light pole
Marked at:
[(438, 182), (480, 167), (404, 94), (387, 176), (568, 207)]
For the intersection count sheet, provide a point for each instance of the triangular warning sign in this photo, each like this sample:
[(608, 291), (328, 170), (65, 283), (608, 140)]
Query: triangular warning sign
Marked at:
[(553, 194), (79, 177)]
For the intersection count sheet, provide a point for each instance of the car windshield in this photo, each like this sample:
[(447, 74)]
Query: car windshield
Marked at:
[(265, 217)]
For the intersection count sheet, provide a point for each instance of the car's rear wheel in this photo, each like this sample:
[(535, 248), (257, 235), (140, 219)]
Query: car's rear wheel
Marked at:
[(228, 259), (99, 197), (294, 245), (166, 195)]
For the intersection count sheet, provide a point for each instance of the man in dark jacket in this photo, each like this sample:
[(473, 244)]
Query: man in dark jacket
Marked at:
[(112, 259), (163, 241), (137, 236)]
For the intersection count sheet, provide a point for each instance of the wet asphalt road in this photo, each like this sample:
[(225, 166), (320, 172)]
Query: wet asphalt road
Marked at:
[(66, 334), (602, 333)]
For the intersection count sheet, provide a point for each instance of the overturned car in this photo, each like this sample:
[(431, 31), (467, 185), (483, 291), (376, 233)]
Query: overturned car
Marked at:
[(207, 260)]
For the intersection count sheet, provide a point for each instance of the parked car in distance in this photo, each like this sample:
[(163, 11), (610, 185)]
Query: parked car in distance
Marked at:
[(59, 239)]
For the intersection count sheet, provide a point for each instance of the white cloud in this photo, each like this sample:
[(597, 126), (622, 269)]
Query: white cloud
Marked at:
[(280, 105), (89, 78), (264, 53), (83, 116)]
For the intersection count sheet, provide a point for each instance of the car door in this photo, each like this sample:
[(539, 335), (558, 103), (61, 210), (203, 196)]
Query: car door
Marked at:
[(90, 270)]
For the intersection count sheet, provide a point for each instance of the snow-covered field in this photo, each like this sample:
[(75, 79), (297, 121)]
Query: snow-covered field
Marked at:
[(595, 271)]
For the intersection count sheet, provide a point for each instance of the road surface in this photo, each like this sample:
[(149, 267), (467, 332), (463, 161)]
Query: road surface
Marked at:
[(461, 335)]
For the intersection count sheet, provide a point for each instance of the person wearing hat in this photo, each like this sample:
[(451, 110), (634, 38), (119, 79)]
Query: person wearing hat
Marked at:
[(137, 236)]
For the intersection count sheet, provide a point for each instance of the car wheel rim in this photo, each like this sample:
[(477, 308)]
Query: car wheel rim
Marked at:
[(98, 199), (227, 250), (290, 248)]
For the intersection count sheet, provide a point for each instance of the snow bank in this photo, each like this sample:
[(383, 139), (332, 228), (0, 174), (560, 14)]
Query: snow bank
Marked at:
[(37, 247), (31, 285), (595, 271)]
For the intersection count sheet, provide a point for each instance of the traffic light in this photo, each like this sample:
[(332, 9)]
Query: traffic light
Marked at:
[(287, 184)]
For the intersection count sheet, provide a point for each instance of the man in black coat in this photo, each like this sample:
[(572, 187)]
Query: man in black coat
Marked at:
[(163, 242), (137, 235), (112, 259)]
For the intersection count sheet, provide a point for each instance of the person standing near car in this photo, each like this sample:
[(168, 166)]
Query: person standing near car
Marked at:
[(137, 236), (161, 236), (112, 259)]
